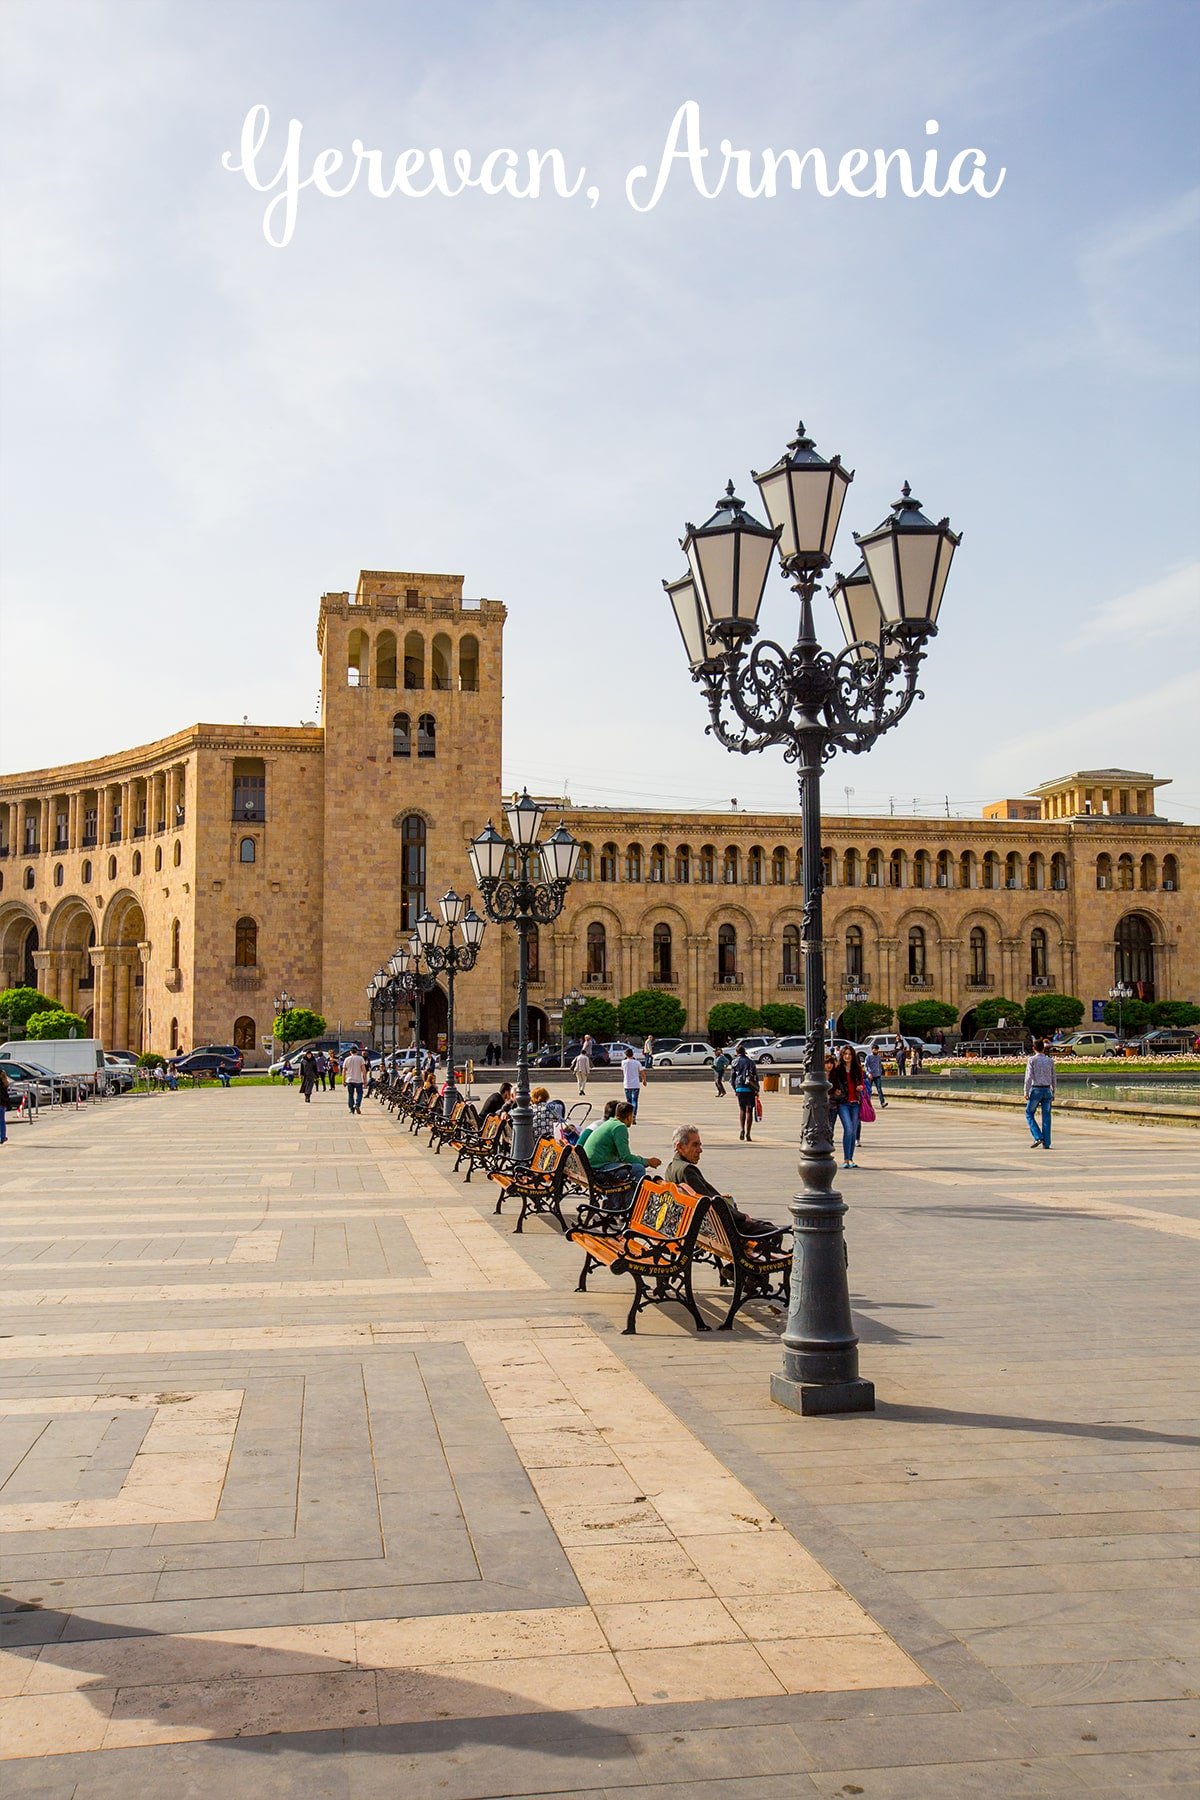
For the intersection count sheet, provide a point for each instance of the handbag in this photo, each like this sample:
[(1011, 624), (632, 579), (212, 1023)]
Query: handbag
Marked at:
[(757, 1107), (866, 1111)]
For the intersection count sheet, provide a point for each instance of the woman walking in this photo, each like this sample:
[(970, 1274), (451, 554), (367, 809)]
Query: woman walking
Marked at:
[(744, 1076), (846, 1093), (308, 1075)]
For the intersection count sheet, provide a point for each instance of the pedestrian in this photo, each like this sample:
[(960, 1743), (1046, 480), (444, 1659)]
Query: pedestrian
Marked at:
[(901, 1057), (744, 1076), (1039, 1094), (846, 1090), (223, 1073), (720, 1065), (547, 1113), (589, 1046), (631, 1080), (583, 1068), (873, 1073), (648, 1051), (334, 1067), (918, 1058), (308, 1076), (4, 1099), (354, 1074), (830, 1072)]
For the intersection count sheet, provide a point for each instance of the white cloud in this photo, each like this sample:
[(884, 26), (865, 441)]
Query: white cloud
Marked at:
[(1155, 730), (1169, 605)]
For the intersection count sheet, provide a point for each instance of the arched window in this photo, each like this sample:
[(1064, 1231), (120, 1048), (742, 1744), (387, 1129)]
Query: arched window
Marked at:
[(583, 868), (414, 660), (597, 952), (1149, 874), (245, 944), (799, 875), (1134, 954), (922, 869), (30, 877), (779, 867), (789, 972), (683, 863), (967, 869), (136, 866), (412, 870), (174, 1035), (1125, 874), (1035, 870), (1039, 961), (874, 868), (897, 869), (754, 866), (991, 870), (385, 660), (175, 935), (1012, 869), (661, 948), (358, 650), (1058, 870), (945, 869), (658, 862), (608, 862), (854, 953), (828, 867), (441, 679), (708, 864), (401, 734), (851, 869), (112, 869), (426, 737), (731, 866), (468, 664), (1170, 873), (157, 860), (58, 872), (249, 788), (633, 863), (533, 966), (177, 853), (247, 850), (979, 956), (244, 1034), (916, 953), (85, 873), (1104, 871), (726, 954)]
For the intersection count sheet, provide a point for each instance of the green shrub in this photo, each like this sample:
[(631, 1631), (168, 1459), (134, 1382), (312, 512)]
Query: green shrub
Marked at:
[(918, 1018), (651, 1012), (1174, 1012), (782, 1017), (989, 1013), (858, 1022), (297, 1023), (150, 1059), (19, 1004), (1130, 1017), (1045, 1013), (55, 1024), (596, 1016), (731, 1019)]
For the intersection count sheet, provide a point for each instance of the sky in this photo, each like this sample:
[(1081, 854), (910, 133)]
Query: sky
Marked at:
[(200, 433)]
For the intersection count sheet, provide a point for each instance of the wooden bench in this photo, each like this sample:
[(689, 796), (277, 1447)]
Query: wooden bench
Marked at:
[(757, 1266), (442, 1130), (553, 1172), (487, 1149), (655, 1243)]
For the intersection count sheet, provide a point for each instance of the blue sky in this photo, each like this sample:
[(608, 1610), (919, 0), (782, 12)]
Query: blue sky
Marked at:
[(200, 434)]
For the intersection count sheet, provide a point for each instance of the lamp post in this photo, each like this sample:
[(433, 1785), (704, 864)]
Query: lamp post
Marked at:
[(523, 882), (282, 1003), (572, 1000), (457, 915), (854, 995), (408, 982), (811, 702), (1120, 992)]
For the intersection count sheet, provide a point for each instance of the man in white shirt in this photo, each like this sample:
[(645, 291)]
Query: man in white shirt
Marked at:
[(583, 1068), (354, 1075), (632, 1078), (1039, 1094)]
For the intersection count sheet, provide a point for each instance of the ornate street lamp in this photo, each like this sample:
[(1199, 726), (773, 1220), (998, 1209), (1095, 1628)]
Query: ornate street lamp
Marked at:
[(282, 1003), (1120, 992), (569, 1004), (454, 958), (854, 995), (524, 883), (811, 702)]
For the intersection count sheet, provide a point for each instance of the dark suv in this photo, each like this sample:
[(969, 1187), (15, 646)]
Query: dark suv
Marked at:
[(207, 1060)]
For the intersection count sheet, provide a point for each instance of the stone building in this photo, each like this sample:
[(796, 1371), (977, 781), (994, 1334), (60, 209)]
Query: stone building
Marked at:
[(170, 892)]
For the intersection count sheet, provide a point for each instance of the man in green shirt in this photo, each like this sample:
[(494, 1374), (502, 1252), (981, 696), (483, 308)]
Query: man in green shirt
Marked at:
[(607, 1147)]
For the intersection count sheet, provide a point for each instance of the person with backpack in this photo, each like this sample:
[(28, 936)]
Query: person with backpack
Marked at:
[(720, 1066), (744, 1077)]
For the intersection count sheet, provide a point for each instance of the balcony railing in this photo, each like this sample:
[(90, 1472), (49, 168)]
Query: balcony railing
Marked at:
[(139, 831), (734, 981), (32, 847), (596, 978), (89, 840), (114, 836), (853, 978), (1039, 981), (659, 980), (981, 981), (255, 815), (918, 981), (533, 980), (61, 843)]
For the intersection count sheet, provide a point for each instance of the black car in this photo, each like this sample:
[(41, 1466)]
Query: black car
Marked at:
[(209, 1060), (600, 1059)]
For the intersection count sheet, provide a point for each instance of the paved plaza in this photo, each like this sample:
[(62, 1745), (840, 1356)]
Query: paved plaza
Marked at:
[(318, 1481)]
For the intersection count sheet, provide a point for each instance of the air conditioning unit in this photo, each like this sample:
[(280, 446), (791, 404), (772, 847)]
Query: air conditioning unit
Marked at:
[(789, 980), (943, 881), (1012, 884), (872, 879), (729, 981), (1060, 885), (1168, 887), (1102, 881), (1040, 981)]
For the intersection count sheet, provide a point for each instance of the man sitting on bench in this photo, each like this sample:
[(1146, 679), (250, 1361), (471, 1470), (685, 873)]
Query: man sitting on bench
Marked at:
[(684, 1170), (607, 1148), (500, 1101)]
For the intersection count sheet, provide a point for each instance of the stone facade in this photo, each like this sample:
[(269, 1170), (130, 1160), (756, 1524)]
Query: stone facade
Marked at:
[(169, 893)]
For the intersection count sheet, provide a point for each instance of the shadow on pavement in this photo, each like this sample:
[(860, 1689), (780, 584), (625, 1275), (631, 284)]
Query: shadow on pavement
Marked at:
[(1112, 1433)]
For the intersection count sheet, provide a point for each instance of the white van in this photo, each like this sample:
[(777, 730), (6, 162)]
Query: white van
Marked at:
[(66, 1056)]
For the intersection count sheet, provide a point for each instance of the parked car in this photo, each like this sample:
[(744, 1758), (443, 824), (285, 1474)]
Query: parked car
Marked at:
[(119, 1074), (664, 1045), (1167, 1040), (599, 1054), (618, 1050), (788, 1050), (887, 1043), (1092, 1042), (125, 1056), (208, 1060), (758, 1042), (26, 1077), (689, 1053)]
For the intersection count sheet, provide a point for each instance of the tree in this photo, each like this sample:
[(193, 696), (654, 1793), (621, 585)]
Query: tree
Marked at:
[(18, 1005), (599, 1017), (55, 1023), (1174, 1012), (150, 1059), (858, 1022), (1131, 1017), (781, 1016), (297, 1023), (1045, 1013), (989, 1012), (731, 1019), (918, 1018), (651, 1012)]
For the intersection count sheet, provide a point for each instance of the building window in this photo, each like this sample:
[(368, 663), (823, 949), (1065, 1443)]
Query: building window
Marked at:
[(175, 935), (1012, 869), (245, 944), (58, 874), (658, 863), (661, 951), (583, 868), (91, 817), (828, 867), (401, 735), (177, 854), (1058, 870), (533, 965), (112, 868), (426, 737), (754, 866), (874, 868), (1149, 874), (247, 850), (60, 831), (358, 650), (790, 966), (854, 953), (683, 864), (1125, 874), (608, 862), (916, 953), (468, 664), (1039, 964), (991, 870), (779, 868), (249, 788), (597, 952), (31, 834), (1035, 871), (1170, 872), (731, 866), (979, 955), (85, 873), (174, 1035), (412, 871), (1134, 955), (945, 869), (966, 869), (157, 858), (385, 660), (137, 863), (726, 953), (851, 869), (440, 677), (414, 660), (633, 863), (897, 869), (921, 869), (244, 1035)]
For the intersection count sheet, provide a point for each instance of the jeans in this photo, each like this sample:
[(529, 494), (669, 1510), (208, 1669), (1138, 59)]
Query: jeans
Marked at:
[(876, 1082), (223, 1077), (1039, 1097), (3, 1123), (631, 1094), (354, 1093), (849, 1116)]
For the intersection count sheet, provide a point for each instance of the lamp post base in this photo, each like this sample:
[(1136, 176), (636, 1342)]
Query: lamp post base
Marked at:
[(813, 1397)]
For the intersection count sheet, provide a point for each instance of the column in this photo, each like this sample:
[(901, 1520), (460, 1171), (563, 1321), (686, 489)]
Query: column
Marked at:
[(102, 1017), (693, 998), (121, 1001), (887, 971), (951, 947), (47, 975), (1010, 975), (46, 815), (760, 944)]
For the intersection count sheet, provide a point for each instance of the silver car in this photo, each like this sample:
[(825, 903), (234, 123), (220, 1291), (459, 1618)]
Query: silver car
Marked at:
[(692, 1053), (788, 1050)]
